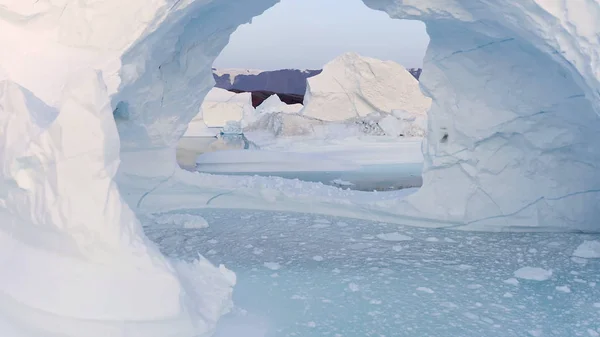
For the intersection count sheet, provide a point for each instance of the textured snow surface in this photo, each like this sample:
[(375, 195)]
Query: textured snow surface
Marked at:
[(363, 286), (354, 86), (515, 89)]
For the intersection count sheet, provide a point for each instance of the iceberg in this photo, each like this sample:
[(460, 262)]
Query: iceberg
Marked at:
[(354, 86), (221, 106), (511, 143), (273, 104)]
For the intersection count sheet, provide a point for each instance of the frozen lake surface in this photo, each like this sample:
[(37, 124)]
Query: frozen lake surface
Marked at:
[(378, 177), (311, 275), (363, 166)]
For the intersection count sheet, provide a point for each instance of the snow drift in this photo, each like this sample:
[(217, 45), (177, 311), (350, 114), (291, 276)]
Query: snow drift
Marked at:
[(512, 142), (353, 86)]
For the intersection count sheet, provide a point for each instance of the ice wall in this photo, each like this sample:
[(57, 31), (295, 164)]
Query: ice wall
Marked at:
[(512, 139), (73, 256)]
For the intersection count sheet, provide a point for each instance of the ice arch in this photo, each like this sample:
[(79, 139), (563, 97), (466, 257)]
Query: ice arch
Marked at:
[(512, 130), (512, 139)]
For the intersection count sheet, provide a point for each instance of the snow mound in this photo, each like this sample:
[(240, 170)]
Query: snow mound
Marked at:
[(588, 250), (533, 274), (354, 86)]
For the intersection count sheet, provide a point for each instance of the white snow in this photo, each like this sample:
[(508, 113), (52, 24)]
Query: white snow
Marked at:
[(563, 289), (588, 250), (425, 290), (354, 86), (533, 273)]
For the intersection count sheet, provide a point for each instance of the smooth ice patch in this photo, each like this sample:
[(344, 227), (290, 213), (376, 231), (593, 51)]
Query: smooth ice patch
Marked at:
[(533, 274), (512, 281), (588, 250), (272, 265), (395, 236)]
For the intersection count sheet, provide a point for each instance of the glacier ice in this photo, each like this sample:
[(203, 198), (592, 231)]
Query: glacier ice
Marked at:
[(220, 106), (67, 239), (273, 104), (511, 142), (353, 86)]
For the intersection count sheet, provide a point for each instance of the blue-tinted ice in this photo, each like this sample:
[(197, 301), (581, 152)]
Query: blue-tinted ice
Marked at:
[(310, 275)]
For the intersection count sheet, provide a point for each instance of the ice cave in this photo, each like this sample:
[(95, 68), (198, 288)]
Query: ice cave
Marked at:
[(94, 96)]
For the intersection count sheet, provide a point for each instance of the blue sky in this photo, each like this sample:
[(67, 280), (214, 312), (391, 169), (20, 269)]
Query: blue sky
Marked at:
[(309, 33)]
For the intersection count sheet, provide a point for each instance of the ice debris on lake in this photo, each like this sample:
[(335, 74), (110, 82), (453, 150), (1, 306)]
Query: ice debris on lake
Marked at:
[(181, 220), (533, 273), (588, 250)]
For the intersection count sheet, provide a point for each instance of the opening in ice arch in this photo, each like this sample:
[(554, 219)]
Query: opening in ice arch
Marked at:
[(511, 145), (511, 134), (359, 126)]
